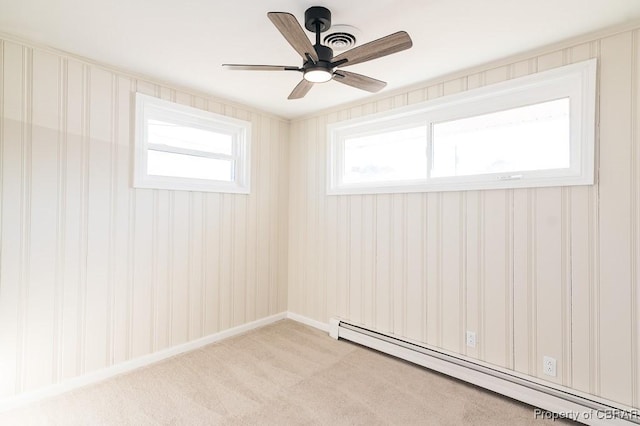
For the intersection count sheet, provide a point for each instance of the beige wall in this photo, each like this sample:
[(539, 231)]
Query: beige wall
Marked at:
[(549, 271), (94, 272)]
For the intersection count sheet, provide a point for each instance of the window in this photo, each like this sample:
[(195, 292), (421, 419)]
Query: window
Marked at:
[(184, 148), (537, 130), (372, 158), (534, 137)]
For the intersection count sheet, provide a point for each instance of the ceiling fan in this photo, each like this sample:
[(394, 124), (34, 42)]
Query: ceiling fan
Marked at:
[(319, 64)]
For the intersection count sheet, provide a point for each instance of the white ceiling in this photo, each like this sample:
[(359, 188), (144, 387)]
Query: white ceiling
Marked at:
[(185, 42)]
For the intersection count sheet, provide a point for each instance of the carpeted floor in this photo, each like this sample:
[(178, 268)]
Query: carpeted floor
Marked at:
[(282, 374)]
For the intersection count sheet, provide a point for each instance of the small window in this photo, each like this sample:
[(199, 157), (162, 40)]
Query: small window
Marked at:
[(184, 148), (538, 130), (391, 156)]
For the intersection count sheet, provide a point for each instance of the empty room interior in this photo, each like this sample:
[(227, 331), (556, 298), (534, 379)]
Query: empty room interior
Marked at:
[(319, 212)]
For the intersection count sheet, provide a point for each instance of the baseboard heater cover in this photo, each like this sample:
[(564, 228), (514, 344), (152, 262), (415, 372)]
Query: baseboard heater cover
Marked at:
[(558, 403)]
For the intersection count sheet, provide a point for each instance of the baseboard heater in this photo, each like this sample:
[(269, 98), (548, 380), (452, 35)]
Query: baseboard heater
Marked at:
[(556, 403)]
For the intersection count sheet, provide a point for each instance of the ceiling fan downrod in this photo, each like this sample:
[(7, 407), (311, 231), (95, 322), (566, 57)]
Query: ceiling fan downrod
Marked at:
[(317, 19)]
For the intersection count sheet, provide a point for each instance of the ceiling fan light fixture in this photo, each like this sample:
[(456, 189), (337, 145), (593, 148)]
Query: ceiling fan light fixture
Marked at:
[(319, 64), (317, 75)]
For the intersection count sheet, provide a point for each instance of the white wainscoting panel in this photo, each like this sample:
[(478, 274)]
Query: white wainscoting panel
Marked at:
[(534, 272), (94, 273)]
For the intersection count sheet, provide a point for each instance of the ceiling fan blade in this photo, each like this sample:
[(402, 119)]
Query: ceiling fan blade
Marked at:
[(243, 67), (289, 27), (384, 46), (359, 81), (301, 89)]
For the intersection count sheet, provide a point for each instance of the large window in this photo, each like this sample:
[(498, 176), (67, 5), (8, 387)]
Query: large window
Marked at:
[(532, 131), (179, 147)]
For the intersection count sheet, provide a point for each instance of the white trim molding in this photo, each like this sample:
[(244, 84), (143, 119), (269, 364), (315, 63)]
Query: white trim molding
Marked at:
[(133, 364), (308, 321)]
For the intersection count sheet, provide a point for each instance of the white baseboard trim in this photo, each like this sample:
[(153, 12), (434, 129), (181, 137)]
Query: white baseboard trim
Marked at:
[(308, 321), (553, 407), (500, 386), (133, 364)]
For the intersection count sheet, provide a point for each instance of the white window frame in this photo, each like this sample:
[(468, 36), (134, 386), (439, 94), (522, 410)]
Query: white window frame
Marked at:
[(576, 82), (149, 107)]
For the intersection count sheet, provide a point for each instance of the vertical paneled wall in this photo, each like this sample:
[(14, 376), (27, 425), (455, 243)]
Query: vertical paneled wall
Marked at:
[(534, 272), (94, 272)]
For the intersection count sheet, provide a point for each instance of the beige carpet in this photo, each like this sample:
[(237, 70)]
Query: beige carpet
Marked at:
[(282, 374)]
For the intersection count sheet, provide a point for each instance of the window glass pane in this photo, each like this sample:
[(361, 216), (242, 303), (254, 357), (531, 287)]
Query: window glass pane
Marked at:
[(534, 137), (181, 136), (161, 163), (391, 156)]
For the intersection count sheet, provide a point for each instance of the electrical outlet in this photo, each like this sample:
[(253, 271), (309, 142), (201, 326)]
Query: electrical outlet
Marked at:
[(471, 339), (549, 366)]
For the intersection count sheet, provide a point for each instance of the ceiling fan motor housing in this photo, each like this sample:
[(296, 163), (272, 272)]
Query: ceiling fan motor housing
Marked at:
[(325, 53), (321, 68), (317, 14)]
